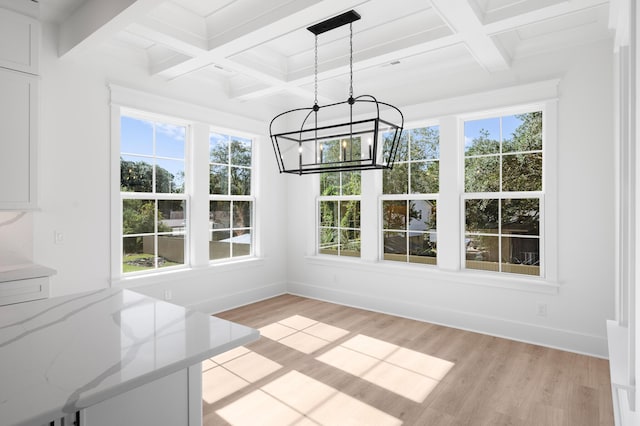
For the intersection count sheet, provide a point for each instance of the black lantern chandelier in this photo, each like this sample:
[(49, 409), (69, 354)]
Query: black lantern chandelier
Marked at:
[(368, 140)]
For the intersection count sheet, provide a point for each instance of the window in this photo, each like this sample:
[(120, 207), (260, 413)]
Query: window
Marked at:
[(409, 199), (152, 194), (230, 200), (503, 200), (339, 209), (182, 193), (472, 196)]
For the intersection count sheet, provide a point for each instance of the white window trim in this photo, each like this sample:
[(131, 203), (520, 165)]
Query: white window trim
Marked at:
[(233, 198), (539, 195), (158, 108), (229, 197), (318, 219), (406, 197), (449, 115), (157, 196), (548, 203)]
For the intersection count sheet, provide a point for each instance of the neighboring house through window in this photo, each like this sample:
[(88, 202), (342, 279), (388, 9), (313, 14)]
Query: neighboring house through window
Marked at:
[(231, 203), (409, 199)]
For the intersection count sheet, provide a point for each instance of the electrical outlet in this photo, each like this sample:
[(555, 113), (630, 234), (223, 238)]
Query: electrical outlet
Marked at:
[(542, 310), (168, 295), (58, 237)]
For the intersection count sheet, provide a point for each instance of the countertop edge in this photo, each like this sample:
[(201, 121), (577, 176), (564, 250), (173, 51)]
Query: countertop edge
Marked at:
[(242, 335), (24, 272), (162, 372)]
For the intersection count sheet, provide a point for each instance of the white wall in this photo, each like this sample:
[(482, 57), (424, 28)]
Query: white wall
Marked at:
[(74, 183), (16, 244), (585, 299), (74, 199)]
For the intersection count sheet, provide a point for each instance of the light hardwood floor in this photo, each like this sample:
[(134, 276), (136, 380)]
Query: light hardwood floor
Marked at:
[(319, 363)]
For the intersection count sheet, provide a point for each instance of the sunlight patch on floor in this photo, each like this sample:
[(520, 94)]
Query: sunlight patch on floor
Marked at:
[(297, 399), (232, 371), (302, 334), (402, 371)]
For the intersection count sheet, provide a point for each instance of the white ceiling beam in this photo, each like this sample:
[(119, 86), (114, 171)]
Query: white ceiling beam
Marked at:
[(194, 56), (497, 26), (382, 54), (544, 9), (182, 65), (170, 37), (463, 19), (373, 57), (423, 43), (326, 94), (97, 21), (283, 20), (163, 58), (255, 90), (484, 50)]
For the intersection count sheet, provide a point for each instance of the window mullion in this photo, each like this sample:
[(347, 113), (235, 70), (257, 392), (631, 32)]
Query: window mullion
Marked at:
[(500, 234), (515, 249)]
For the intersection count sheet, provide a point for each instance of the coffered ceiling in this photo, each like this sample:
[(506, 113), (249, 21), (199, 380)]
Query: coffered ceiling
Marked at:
[(260, 49)]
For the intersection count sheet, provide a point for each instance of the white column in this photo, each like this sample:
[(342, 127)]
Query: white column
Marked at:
[(369, 208), (451, 186), (199, 184), (635, 138)]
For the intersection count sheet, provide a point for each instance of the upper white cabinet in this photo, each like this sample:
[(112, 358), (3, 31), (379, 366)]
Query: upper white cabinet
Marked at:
[(19, 42), (19, 52), (18, 121)]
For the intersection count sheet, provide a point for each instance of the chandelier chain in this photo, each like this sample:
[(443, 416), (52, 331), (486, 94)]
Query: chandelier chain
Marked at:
[(315, 73), (350, 60)]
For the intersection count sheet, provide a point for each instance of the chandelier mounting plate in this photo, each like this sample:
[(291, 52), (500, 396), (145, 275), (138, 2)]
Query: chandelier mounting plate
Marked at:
[(335, 22)]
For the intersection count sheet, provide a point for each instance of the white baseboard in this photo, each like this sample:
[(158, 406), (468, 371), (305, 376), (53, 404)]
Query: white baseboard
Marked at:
[(230, 301), (567, 340)]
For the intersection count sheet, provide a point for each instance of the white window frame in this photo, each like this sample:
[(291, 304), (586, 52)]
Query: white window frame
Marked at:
[(233, 198), (125, 101), (542, 96), (409, 196), (548, 253), (318, 222), (158, 196)]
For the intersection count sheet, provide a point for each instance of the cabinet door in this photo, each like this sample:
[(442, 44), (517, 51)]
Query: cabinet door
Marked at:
[(18, 118), (19, 42), (163, 402)]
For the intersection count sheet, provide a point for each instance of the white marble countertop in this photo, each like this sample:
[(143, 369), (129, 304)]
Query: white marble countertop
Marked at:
[(23, 271), (60, 355)]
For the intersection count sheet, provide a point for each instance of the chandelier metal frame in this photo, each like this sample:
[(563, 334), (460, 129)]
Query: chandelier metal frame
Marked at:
[(319, 144)]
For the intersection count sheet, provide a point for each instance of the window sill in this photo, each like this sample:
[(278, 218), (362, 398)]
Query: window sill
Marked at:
[(185, 273), (432, 272)]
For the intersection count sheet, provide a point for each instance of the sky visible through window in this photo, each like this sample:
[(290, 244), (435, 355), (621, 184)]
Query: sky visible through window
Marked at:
[(491, 125), (137, 138)]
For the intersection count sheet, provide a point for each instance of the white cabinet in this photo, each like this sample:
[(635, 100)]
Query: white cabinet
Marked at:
[(24, 290), (23, 283), (161, 402), (173, 400), (18, 121), (19, 52), (19, 42)]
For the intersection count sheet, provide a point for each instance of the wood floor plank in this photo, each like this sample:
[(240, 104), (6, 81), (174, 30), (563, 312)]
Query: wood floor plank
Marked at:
[(400, 371)]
